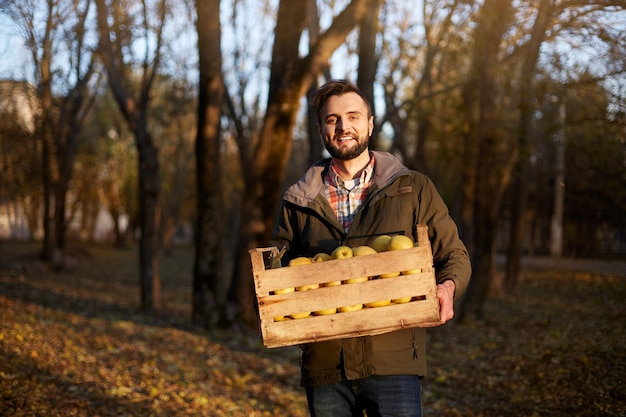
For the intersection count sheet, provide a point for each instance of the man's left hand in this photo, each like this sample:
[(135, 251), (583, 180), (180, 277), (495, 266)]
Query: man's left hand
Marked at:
[(445, 295)]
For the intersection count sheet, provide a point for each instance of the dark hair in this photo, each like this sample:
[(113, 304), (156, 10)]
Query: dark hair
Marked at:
[(335, 88)]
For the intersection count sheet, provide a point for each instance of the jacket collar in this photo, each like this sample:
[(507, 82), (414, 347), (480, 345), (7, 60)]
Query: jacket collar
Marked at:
[(387, 168)]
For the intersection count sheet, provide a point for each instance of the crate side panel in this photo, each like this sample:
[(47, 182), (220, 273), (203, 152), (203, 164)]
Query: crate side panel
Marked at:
[(370, 321), (415, 285), (342, 269)]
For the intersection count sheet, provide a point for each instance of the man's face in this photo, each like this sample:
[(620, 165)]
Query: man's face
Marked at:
[(345, 126)]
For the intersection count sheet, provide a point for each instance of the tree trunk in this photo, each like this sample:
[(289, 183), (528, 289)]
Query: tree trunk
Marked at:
[(208, 278), (135, 113), (290, 78), (49, 170), (483, 166), (520, 184)]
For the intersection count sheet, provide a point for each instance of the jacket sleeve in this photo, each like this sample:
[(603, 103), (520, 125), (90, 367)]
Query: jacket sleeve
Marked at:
[(282, 235), (451, 259)]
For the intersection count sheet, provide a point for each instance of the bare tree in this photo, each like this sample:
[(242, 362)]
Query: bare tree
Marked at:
[(207, 305), (487, 153), (117, 29), (530, 56), (65, 29)]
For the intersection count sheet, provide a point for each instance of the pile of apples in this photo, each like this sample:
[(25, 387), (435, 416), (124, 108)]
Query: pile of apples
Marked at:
[(380, 244)]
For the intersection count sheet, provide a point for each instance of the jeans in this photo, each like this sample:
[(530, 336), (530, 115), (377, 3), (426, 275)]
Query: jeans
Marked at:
[(379, 396)]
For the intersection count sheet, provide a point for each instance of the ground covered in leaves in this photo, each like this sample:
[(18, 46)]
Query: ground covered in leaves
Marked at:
[(74, 344)]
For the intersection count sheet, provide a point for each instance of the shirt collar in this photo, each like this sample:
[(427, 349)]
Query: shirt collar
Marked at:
[(364, 177)]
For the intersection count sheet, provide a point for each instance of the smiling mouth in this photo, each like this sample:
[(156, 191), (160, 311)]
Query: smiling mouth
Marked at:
[(345, 138)]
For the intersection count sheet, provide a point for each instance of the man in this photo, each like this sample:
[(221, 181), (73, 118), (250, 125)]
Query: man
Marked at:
[(350, 199)]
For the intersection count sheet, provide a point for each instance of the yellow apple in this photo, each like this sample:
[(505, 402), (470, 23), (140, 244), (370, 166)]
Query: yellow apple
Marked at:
[(301, 260), (355, 280), (308, 287), (282, 291), (332, 283), (300, 315), (342, 252), (325, 312), (381, 243), (322, 257), (402, 300), (380, 303), (399, 242), (354, 307), (363, 250)]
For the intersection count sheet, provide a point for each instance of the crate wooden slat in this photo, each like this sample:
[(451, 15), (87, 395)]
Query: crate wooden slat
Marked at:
[(421, 287)]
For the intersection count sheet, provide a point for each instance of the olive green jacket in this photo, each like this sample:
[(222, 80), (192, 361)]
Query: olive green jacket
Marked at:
[(397, 201)]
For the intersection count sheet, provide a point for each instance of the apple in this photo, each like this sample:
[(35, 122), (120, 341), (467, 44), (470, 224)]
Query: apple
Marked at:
[(389, 274), (402, 300), (308, 287), (360, 251), (363, 250), (381, 243), (380, 303), (282, 291), (342, 252), (322, 257), (301, 260), (325, 312), (354, 307), (332, 283), (300, 315), (355, 280), (399, 242)]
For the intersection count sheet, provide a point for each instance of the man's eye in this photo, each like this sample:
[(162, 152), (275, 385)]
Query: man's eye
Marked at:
[(331, 121)]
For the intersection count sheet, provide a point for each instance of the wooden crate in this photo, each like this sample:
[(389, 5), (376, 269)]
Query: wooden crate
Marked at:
[(422, 310)]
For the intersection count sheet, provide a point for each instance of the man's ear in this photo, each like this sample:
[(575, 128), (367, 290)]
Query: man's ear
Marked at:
[(371, 125)]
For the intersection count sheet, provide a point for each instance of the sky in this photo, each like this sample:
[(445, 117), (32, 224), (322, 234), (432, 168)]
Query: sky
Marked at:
[(14, 61)]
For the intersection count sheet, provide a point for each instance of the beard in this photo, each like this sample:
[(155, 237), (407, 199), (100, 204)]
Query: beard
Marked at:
[(347, 154)]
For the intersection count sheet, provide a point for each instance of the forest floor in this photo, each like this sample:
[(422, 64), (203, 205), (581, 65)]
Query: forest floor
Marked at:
[(74, 344)]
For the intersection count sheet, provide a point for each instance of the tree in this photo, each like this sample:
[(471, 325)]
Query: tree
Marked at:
[(65, 30), (520, 177), (117, 28), (290, 77), (207, 265), (487, 157)]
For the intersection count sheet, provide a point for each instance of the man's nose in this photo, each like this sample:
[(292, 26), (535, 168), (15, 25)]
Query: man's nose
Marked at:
[(342, 124)]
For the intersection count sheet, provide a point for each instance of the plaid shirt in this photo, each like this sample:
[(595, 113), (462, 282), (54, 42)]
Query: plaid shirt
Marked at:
[(345, 197)]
